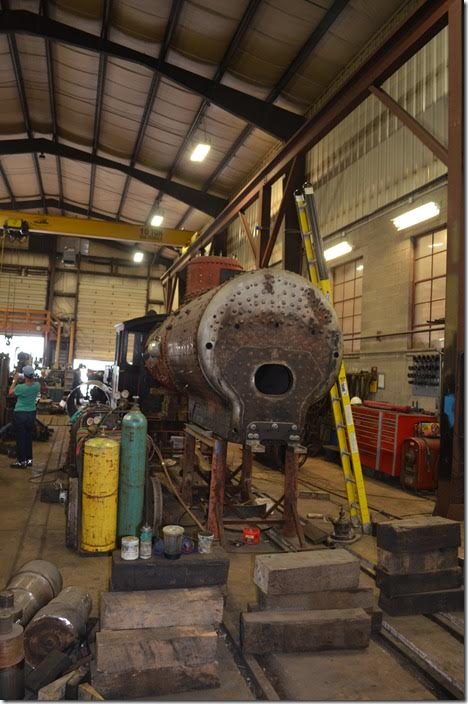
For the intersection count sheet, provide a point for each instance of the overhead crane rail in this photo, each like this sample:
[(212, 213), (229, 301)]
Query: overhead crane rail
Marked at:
[(12, 221)]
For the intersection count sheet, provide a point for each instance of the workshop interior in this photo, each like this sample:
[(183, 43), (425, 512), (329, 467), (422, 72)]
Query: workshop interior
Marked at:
[(232, 329)]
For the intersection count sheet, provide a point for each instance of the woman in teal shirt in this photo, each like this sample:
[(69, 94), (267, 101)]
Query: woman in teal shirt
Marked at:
[(24, 415)]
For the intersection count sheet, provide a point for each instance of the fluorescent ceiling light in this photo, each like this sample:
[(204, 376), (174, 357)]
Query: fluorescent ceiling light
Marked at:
[(157, 220), (200, 152), (436, 244), (360, 267), (416, 215), (337, 251), (138, 257)]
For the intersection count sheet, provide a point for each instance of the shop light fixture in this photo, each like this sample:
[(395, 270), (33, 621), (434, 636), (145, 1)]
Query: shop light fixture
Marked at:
[(158, 217), (337, 251), (416, 215), (138, 256), (200, 152)]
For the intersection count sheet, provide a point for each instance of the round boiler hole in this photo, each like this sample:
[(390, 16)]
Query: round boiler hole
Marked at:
[(273, 379)]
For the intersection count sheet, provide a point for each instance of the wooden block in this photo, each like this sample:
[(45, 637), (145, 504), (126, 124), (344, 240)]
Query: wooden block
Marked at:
[(376, 616), (190, 571), (426, 603), (141, 648), (413, 562), (400, 584), (418, 533), (265, 632), (161, 608), (362, 597), (155, 682), (49, 669), (87, 693), (299, 572)]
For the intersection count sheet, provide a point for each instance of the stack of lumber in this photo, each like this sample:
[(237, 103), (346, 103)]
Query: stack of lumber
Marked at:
[(308, 601), (417, 570), (157, 642)]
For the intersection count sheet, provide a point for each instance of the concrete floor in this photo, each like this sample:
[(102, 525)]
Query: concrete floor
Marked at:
[(30, 529)]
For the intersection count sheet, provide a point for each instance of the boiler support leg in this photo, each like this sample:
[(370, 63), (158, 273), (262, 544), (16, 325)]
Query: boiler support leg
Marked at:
[(246, 476), (187, 468), (216, 499)]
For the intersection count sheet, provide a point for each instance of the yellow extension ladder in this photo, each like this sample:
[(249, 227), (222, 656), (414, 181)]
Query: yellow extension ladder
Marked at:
[(339, 394)]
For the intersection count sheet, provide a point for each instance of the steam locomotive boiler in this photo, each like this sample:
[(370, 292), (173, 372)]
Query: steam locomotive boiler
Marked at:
[(252, 354)]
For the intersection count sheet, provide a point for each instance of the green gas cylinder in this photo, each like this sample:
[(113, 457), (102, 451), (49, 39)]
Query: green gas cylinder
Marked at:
[(132, 471)]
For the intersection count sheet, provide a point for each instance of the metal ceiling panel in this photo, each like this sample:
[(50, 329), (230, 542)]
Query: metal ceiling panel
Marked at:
[(34, 68), (75, 86), (11, 121), (125, 90), (21, 175), (108, 186), (76, 176)]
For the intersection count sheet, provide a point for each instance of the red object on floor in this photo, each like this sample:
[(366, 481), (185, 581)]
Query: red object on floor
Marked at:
[(380, 434), (251, 536), (420, 463)]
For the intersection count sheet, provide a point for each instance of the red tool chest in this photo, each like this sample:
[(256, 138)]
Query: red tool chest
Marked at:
[(380, 431)]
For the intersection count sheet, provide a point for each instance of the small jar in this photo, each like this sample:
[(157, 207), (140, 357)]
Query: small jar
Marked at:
[(146, 542)]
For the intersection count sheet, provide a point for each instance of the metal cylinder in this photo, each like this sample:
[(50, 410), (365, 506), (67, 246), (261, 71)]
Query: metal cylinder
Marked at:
[(99, 495), (252, 355), (33, 586), (57, 625), (12, 682), (132, 472), (11, 657)]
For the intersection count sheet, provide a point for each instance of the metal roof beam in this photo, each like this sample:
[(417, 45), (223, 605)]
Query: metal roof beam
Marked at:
[(168, 34), (53, 105), (99, 98), (15, 59), (234, 44), (276, 121), (206, 202), (321, 29), (424, 22), (7, 185)]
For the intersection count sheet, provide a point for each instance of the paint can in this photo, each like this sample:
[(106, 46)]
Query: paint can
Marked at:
[(251, 536), (146, 542), (205, 541), (129, 547), (172, 536)]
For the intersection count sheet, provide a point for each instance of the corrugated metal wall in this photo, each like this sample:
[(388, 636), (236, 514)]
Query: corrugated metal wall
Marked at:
[(104, 301), (371, 159), (26, 291)]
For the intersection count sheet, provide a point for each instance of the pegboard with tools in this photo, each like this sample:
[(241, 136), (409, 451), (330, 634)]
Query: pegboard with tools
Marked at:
[(424, 374)]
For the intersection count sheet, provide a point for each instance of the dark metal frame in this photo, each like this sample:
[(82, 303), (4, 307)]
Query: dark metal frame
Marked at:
[(206, 202), (408, 37), (233, 45), (150, 100), (15, 60), (300, 58)]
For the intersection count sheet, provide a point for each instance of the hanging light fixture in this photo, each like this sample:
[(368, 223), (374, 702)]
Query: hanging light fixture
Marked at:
[(201, 149), (157, 217), (416, 215), (338, 250)]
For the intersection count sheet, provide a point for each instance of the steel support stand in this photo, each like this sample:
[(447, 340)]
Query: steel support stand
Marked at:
[(246, 475)]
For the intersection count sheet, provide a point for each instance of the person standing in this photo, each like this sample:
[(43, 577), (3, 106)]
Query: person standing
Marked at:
[(24, 415)]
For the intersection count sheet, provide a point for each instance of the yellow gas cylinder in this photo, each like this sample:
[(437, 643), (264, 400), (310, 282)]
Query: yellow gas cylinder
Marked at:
[(100, 486)]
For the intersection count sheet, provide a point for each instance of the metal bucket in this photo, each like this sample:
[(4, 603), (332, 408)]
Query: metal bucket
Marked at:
[(57, 625), (33, 586)]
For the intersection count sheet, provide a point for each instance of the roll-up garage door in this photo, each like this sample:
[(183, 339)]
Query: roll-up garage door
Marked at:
[(26, 292), (104, 301)]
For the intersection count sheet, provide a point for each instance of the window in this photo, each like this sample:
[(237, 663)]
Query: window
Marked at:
[(430, 257), (347, 297)]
